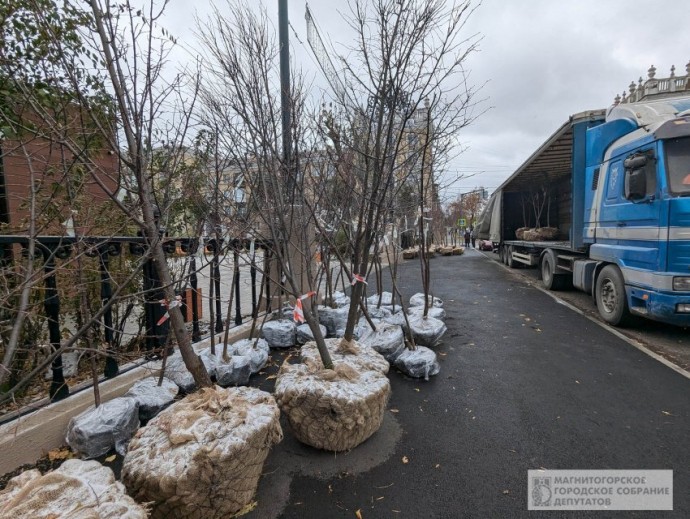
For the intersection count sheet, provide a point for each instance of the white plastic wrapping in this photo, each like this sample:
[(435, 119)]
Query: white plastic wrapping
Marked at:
[(256, 349), (334, 319), (426, 331), (332, 409), (397, 318), (98, 429), (435, 311), (279, 334), (235, 372), (419, 363), (359, 355), (176, 370), (76, 490), (386, 299), (151, 397), (418, 300), (378, 313), (202, 456), (304, 334), (388, 340), (363, 329), (340, 299)]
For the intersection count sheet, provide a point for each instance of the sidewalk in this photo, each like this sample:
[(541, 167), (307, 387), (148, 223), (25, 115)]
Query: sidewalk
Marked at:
[(524, 383)]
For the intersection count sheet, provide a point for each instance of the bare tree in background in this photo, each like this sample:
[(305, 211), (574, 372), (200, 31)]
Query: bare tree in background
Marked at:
[(241, 92), (401, 100)]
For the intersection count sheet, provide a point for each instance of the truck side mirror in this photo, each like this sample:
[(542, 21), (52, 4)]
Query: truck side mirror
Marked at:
[(635, 184)]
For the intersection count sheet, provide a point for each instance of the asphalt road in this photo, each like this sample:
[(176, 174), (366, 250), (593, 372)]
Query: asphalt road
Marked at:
[(525, 383)]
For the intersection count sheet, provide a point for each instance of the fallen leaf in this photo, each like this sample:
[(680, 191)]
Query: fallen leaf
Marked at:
[(358, 514), (379, 498), (438, 466), (330, 489), (537, 330), (270, 377), (394, 410), (667, 413), (405, 459), (442, 354), (110, 458), (396, 511), (248, 508), (506, 491), (577, 381), (416, 389), (59, 454)]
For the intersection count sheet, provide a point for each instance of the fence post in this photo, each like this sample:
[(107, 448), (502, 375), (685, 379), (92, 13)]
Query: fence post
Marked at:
[(196, 332), (51, 303), (236, 274), (104, 251), (154, 310), (252, 277)]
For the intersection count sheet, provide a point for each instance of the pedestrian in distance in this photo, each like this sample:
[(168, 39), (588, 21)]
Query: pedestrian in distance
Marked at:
[(473, 238), (467, 237)]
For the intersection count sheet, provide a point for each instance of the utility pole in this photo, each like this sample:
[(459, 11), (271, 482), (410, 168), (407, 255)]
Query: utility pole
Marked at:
[(285, 101)]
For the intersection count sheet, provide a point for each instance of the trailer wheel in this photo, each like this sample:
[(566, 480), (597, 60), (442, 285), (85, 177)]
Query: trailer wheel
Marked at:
[(551, 280), (509, 258), (610, 296)]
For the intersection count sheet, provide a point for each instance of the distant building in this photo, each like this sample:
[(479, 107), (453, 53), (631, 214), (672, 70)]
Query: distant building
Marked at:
[(73, 171)]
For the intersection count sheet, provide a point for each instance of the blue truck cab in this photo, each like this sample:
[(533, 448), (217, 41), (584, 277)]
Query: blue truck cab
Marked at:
[(637, 209), (612, 187)]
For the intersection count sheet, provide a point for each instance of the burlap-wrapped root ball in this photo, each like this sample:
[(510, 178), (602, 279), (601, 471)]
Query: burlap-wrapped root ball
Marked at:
[(354, 353), (332, 409), (76, 490), (202, 456)]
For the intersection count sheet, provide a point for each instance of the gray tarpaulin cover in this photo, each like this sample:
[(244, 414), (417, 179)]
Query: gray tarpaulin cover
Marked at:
[(151, 397), (76, 490), (279, 334), (97, 430), (419, 363)]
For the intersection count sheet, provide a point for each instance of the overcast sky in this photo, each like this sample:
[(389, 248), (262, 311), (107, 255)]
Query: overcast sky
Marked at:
[(541, 60)]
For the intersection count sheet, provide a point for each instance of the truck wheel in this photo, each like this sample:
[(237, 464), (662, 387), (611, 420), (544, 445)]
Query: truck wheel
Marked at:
[(610, 296), (509, 258), (551, 280)]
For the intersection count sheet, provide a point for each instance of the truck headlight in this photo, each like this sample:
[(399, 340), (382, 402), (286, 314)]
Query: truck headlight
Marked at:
[(682, 284)]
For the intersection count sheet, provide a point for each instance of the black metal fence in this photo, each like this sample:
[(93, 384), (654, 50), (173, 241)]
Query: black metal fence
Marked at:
[(53, 249)]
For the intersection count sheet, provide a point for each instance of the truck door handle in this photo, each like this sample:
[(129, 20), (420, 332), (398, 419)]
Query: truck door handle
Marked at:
[(621, 224)]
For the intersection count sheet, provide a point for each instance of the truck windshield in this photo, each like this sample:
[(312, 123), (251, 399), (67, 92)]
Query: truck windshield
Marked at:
[(678, 165)]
